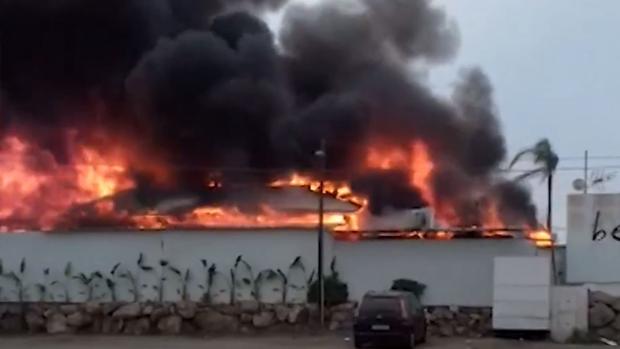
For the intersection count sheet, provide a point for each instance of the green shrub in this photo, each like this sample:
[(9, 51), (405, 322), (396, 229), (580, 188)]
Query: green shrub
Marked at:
[(408, 285), (336, 291)]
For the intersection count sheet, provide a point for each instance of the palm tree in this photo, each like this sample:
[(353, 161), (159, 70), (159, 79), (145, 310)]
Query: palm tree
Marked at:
[(547, 162)]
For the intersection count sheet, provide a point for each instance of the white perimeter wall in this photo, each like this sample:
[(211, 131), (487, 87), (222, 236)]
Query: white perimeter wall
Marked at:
[(89, 252), (456, 272)]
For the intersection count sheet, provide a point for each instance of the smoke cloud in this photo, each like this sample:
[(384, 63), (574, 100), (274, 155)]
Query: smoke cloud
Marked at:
[(206, 85)]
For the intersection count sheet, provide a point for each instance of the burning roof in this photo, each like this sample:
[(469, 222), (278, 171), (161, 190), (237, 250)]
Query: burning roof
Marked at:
[(159, 114)]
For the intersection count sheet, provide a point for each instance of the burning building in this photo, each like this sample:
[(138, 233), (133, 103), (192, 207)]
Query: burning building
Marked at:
[(161, 114)]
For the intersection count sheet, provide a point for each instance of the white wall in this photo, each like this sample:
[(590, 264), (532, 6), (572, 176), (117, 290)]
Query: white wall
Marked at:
[(588, 259), (569, 311), (89, 252), (456, 272)]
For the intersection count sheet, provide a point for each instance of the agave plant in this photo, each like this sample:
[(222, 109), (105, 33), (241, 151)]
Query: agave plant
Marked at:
[(147, 268), (96, 281), (237, 281), (16, 278), (205, 267), (112, 287), (284, 279), (211, 273), (162, 279), (211, 276), (44, 297), (180, 276), (127, 275), (68, 274), (85, 281), (298, 264), (233, 287), (42, 291), (264, 275), (61, 284), (187, 277)]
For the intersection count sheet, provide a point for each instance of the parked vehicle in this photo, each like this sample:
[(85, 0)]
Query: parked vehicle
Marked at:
[(391, 318)]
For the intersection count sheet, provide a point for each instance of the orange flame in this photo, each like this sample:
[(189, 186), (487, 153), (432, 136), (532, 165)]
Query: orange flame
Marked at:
[(417, 162), (99, 176), (226, 217), (36, 191), (339, 190), (542, 238)]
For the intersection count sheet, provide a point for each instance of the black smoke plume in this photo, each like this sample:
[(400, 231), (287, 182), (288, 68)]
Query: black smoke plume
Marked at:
[(207, 85)]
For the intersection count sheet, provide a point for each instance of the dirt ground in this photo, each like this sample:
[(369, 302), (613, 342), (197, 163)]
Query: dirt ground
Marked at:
[(271, 342)]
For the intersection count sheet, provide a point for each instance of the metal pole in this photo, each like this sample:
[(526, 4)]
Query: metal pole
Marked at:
[(321, 155), (585, 172), (550, 225)]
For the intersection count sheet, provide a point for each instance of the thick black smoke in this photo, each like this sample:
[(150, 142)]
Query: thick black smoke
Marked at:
[(207, 85)]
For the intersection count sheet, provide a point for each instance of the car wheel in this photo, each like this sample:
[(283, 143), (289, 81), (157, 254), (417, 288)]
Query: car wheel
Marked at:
[(412, 341), (358, 343), (422, 339)]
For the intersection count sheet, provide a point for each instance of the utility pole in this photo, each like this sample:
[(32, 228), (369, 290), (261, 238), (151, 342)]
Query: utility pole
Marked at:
[(320, 154), (585, 172)]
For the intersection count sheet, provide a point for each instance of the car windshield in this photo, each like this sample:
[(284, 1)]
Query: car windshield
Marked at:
[(372, 306)]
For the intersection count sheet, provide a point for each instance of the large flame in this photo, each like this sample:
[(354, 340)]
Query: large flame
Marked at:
[(417, 162), (227, 217), (36, 192)]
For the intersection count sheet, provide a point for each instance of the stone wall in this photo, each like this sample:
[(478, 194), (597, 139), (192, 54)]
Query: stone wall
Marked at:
[(189, 318), (183, 317), (459, 321), (604, 315)]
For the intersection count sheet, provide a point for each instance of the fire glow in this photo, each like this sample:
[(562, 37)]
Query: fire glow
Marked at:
[(37, 193)]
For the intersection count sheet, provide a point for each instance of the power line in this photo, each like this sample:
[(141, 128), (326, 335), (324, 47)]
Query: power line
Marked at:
[(581, 158)]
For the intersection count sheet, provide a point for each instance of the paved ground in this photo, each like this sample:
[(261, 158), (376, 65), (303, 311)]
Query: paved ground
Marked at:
[(274, 342)]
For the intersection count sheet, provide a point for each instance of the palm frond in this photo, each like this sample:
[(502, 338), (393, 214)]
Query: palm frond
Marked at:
[(520, 155), (530, 173), (543, 156)]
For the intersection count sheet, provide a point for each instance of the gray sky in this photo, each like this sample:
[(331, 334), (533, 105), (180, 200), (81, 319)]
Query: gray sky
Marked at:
[(555, 66)]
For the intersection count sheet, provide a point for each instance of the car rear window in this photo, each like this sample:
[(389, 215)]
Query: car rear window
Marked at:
[(372, 306)]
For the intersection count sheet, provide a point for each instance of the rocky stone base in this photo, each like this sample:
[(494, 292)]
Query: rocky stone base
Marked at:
[(604, 315), (460, 322), (166, 318), (197, 318)]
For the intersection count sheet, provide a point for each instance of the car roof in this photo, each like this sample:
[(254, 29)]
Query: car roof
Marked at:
[(394, 294)]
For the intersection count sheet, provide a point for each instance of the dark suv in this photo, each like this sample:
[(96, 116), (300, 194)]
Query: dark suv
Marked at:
[(390, 318)]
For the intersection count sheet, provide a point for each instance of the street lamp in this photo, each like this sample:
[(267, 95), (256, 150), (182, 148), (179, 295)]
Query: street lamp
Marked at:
[(320, 154)]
